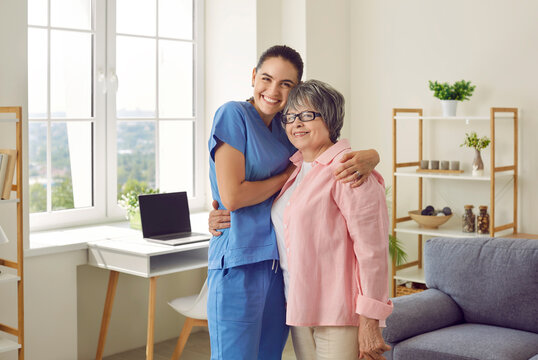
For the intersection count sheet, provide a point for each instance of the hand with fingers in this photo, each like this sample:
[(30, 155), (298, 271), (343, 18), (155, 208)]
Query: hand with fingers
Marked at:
[(371, 343), (357, 166), (218, 219)]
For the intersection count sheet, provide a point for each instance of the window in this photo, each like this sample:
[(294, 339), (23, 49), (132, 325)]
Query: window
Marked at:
[(114, 95)]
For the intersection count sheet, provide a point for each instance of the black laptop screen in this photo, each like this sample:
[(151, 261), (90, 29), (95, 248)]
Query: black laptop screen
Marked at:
[(163, 214)]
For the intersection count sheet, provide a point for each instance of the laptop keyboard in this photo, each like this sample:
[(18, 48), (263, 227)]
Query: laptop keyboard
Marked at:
[(173, 236)]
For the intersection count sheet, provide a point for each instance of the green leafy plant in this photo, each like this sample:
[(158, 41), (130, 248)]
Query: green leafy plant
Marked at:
[(396, 250), (460, 90), (473, 141), (129, 200)]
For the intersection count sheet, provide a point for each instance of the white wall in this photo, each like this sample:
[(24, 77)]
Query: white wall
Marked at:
[(51, 313), (318, 30), (230, 56), (396, 47), (327, 47)]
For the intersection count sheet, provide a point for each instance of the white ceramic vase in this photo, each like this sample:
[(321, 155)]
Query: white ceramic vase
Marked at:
[(478, 164), (449, 107)]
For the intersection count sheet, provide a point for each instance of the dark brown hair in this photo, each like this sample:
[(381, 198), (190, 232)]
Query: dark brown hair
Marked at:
[(286, 53)]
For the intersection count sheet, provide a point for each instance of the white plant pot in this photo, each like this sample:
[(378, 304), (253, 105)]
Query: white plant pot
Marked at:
[(449, 107)]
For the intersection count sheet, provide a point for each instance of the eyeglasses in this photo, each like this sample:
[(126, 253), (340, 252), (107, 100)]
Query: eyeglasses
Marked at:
[(304, 117)]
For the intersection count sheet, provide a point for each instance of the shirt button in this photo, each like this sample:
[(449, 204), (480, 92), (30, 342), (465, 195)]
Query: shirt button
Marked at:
[(288, 204), (288, 249), (285, 226)]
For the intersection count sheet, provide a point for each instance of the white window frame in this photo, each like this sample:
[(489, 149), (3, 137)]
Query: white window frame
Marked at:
[(105, 207), (96, 213)]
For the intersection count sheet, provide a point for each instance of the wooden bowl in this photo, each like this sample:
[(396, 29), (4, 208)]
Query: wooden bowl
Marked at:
[(428, 222)]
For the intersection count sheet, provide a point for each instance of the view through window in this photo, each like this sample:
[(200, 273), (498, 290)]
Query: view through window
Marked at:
[(113, 104)]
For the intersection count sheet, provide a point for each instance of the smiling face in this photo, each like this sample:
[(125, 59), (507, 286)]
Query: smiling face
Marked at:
[(312, 138), (272, 84)]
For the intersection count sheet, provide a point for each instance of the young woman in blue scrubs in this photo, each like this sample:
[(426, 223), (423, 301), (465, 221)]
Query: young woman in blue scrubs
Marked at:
[(249, 154)]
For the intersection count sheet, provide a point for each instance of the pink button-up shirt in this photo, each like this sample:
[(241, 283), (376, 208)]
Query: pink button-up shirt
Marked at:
[(337, 246)]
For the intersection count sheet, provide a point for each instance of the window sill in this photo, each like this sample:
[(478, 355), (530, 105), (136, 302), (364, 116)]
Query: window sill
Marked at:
[(77, 238)]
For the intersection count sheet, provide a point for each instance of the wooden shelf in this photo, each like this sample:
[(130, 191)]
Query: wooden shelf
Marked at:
[(9, 201), (464, 176), (411, 227), (8, 345), (8, 278), (451, 229), (466, 118), (411, 274), (18, 279)]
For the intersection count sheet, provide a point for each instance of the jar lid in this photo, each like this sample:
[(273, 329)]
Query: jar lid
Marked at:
[(483, 207), (468, 206)]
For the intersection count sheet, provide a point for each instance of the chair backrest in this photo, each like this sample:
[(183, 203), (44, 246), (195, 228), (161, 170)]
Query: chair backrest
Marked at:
[(493, 280), (199, 307)]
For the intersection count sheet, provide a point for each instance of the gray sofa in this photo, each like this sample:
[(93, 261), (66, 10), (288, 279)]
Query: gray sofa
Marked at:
[(482, 303)]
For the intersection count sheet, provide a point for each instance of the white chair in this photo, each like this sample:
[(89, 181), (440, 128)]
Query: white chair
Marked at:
[(194, 308)]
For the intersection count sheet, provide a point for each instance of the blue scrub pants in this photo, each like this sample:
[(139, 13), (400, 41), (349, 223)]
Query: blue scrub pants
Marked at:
[(246, 312)]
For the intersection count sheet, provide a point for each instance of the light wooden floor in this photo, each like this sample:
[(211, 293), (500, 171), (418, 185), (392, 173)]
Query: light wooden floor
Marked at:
[(197, 348)]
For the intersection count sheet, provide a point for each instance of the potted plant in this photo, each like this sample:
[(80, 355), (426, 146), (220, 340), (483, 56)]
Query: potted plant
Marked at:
[(451, 94), (129, 200), (473, 141), (396, 250)]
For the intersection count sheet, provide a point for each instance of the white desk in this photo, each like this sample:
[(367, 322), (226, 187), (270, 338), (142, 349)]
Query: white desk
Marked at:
[(135, 256)]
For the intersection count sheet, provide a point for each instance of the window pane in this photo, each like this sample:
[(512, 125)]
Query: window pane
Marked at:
[(37, 12), (175, 79), (71, 74), (79, 136), (175, 19), (71, 156), (136, 17), (136, 153), (37, 73), (62, 186), (75, 14), (135, 61), (37, 166), (176, 152)]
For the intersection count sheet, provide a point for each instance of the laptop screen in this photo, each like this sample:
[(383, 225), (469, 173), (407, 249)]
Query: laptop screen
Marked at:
[(163, 214)]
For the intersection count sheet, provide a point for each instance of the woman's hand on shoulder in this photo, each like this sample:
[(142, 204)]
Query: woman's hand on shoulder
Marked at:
[(218, 219), (357, 166)]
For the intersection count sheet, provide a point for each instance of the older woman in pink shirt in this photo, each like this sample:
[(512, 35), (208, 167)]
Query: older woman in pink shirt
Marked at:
[(332, 238)]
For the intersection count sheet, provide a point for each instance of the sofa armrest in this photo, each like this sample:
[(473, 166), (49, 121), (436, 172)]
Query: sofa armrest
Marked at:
[(420, 313)]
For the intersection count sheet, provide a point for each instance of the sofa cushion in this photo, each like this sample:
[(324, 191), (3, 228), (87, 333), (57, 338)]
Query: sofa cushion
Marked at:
[(469, 341), (492, 280)]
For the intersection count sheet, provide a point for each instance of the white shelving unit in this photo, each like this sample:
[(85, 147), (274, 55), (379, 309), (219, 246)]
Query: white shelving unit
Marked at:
[(8, 345), (463, 176), (7, 278), (413, 271)]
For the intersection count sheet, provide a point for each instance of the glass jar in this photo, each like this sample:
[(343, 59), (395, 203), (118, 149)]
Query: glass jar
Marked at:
[(483, 220), (468, 219)]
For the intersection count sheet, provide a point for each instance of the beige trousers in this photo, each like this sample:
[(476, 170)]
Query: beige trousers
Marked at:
[(325, 342)]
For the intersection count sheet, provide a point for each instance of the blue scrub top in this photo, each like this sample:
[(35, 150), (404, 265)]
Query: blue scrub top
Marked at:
[(251, 237)]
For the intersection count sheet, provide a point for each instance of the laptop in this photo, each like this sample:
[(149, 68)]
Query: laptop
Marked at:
[(166, 219)]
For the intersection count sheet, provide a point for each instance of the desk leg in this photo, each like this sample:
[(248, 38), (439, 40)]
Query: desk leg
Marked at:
[(112, 283), (151, 317)]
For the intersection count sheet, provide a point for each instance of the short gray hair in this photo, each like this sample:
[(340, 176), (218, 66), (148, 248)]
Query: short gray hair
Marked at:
[(323, 98)]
